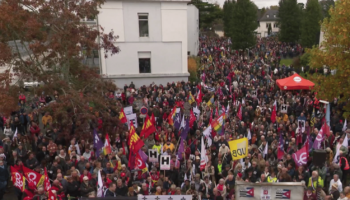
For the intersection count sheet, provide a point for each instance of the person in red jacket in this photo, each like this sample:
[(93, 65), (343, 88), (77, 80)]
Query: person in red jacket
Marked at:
[(57, 186), (22, 97), (34, 129)]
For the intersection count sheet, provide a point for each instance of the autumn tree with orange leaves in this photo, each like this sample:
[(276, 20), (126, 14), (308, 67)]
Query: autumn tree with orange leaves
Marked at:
[(48, 38), (334, 53)]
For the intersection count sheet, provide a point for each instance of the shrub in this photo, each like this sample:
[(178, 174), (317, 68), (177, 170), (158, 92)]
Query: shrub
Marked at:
[(192, 69)]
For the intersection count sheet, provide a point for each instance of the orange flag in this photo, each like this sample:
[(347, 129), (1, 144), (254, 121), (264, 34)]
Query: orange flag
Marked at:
[(135, 143), (147, 128), (19, 181), (122, 116), (107, 146), (171, 117)]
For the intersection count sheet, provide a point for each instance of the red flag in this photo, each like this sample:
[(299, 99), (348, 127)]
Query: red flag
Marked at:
[(199, 97), (326, 129), (134, 142), (34, 178), (147, 128), (300, 157), (140, 164), (192, 119), (239, 112), (171, 117), (153, 119), (52, 195), (18, 179), (211, 116), (273, 114), (122, 116), (131, 163), (47, 184)]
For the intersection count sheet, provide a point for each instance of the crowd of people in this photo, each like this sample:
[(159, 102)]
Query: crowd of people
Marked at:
[(236, 79)]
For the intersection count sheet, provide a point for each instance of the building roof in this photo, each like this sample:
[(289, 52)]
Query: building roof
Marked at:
[(270, 15)]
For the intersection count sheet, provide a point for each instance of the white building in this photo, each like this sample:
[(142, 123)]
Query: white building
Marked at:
[(193, 30), (269, 18), (152, 38)]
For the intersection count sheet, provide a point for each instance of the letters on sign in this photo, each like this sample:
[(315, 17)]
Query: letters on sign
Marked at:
[(133, 118), (165, 162), (284, 108), (153, 155), (239, 148)]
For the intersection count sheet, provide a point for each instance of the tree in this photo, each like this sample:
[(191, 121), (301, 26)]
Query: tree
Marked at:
[(274, 7), (227, 16), (289, 20), (243, 24), (325, 6), (335, 54), (48, 39), (310, 29), (207, 13), (269, 30), (262, 12)]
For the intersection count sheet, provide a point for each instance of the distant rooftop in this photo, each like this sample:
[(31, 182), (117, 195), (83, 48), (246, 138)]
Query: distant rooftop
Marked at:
[(269, 15)]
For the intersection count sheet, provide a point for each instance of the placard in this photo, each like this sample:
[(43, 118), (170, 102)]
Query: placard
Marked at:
[(153, 155), (265, 193), (238, 148), (128, 110), (254, 93), (133, 118), (301, 125), (284, 108), (165, 162)]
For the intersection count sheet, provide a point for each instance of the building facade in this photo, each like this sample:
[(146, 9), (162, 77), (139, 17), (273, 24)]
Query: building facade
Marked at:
[(153, 38), (192, 30), (269, 18)]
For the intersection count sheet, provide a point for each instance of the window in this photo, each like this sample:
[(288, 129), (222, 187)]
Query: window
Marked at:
[(275, 25), (144, 62), (268, 24), (188, 53), (143, 25), (267, 16)]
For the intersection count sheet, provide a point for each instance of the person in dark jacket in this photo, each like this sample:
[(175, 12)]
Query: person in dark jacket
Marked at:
[(73, 188), (4, 176), (121, 189), (31, 162), (110, 191), (86, 187)]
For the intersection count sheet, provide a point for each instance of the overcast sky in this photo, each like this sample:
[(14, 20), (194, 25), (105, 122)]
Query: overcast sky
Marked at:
[(260, 3)]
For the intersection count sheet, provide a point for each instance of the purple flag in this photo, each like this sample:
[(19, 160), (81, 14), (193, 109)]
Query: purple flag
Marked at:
[(177, 121), (181, 149), (143, 156), (98, 144), (185, 126)]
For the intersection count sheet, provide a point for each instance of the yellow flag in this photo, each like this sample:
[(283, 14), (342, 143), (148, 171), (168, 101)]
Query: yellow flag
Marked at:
[(239, 148)]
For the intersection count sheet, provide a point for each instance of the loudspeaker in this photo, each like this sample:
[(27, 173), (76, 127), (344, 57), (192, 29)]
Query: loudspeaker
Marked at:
[(319, 157)]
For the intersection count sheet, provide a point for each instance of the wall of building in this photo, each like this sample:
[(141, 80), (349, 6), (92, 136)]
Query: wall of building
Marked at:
[(166, 45), (263, 30), (193, 29)]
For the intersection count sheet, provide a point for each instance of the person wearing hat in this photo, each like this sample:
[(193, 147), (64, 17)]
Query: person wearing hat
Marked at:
[(309, 195), (185, 185), (334, 192), (86, 187)]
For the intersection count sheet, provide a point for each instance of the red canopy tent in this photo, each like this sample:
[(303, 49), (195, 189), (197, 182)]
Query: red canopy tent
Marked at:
[(295, 82)]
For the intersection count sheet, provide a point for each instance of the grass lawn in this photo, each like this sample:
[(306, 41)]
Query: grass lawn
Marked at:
[(286, 62)]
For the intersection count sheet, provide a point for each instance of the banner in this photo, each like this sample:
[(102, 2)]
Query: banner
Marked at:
[(153, 155), (269, 191), (128, 110), (164, 197), (239, 148), (165, 162), (133, 118)]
